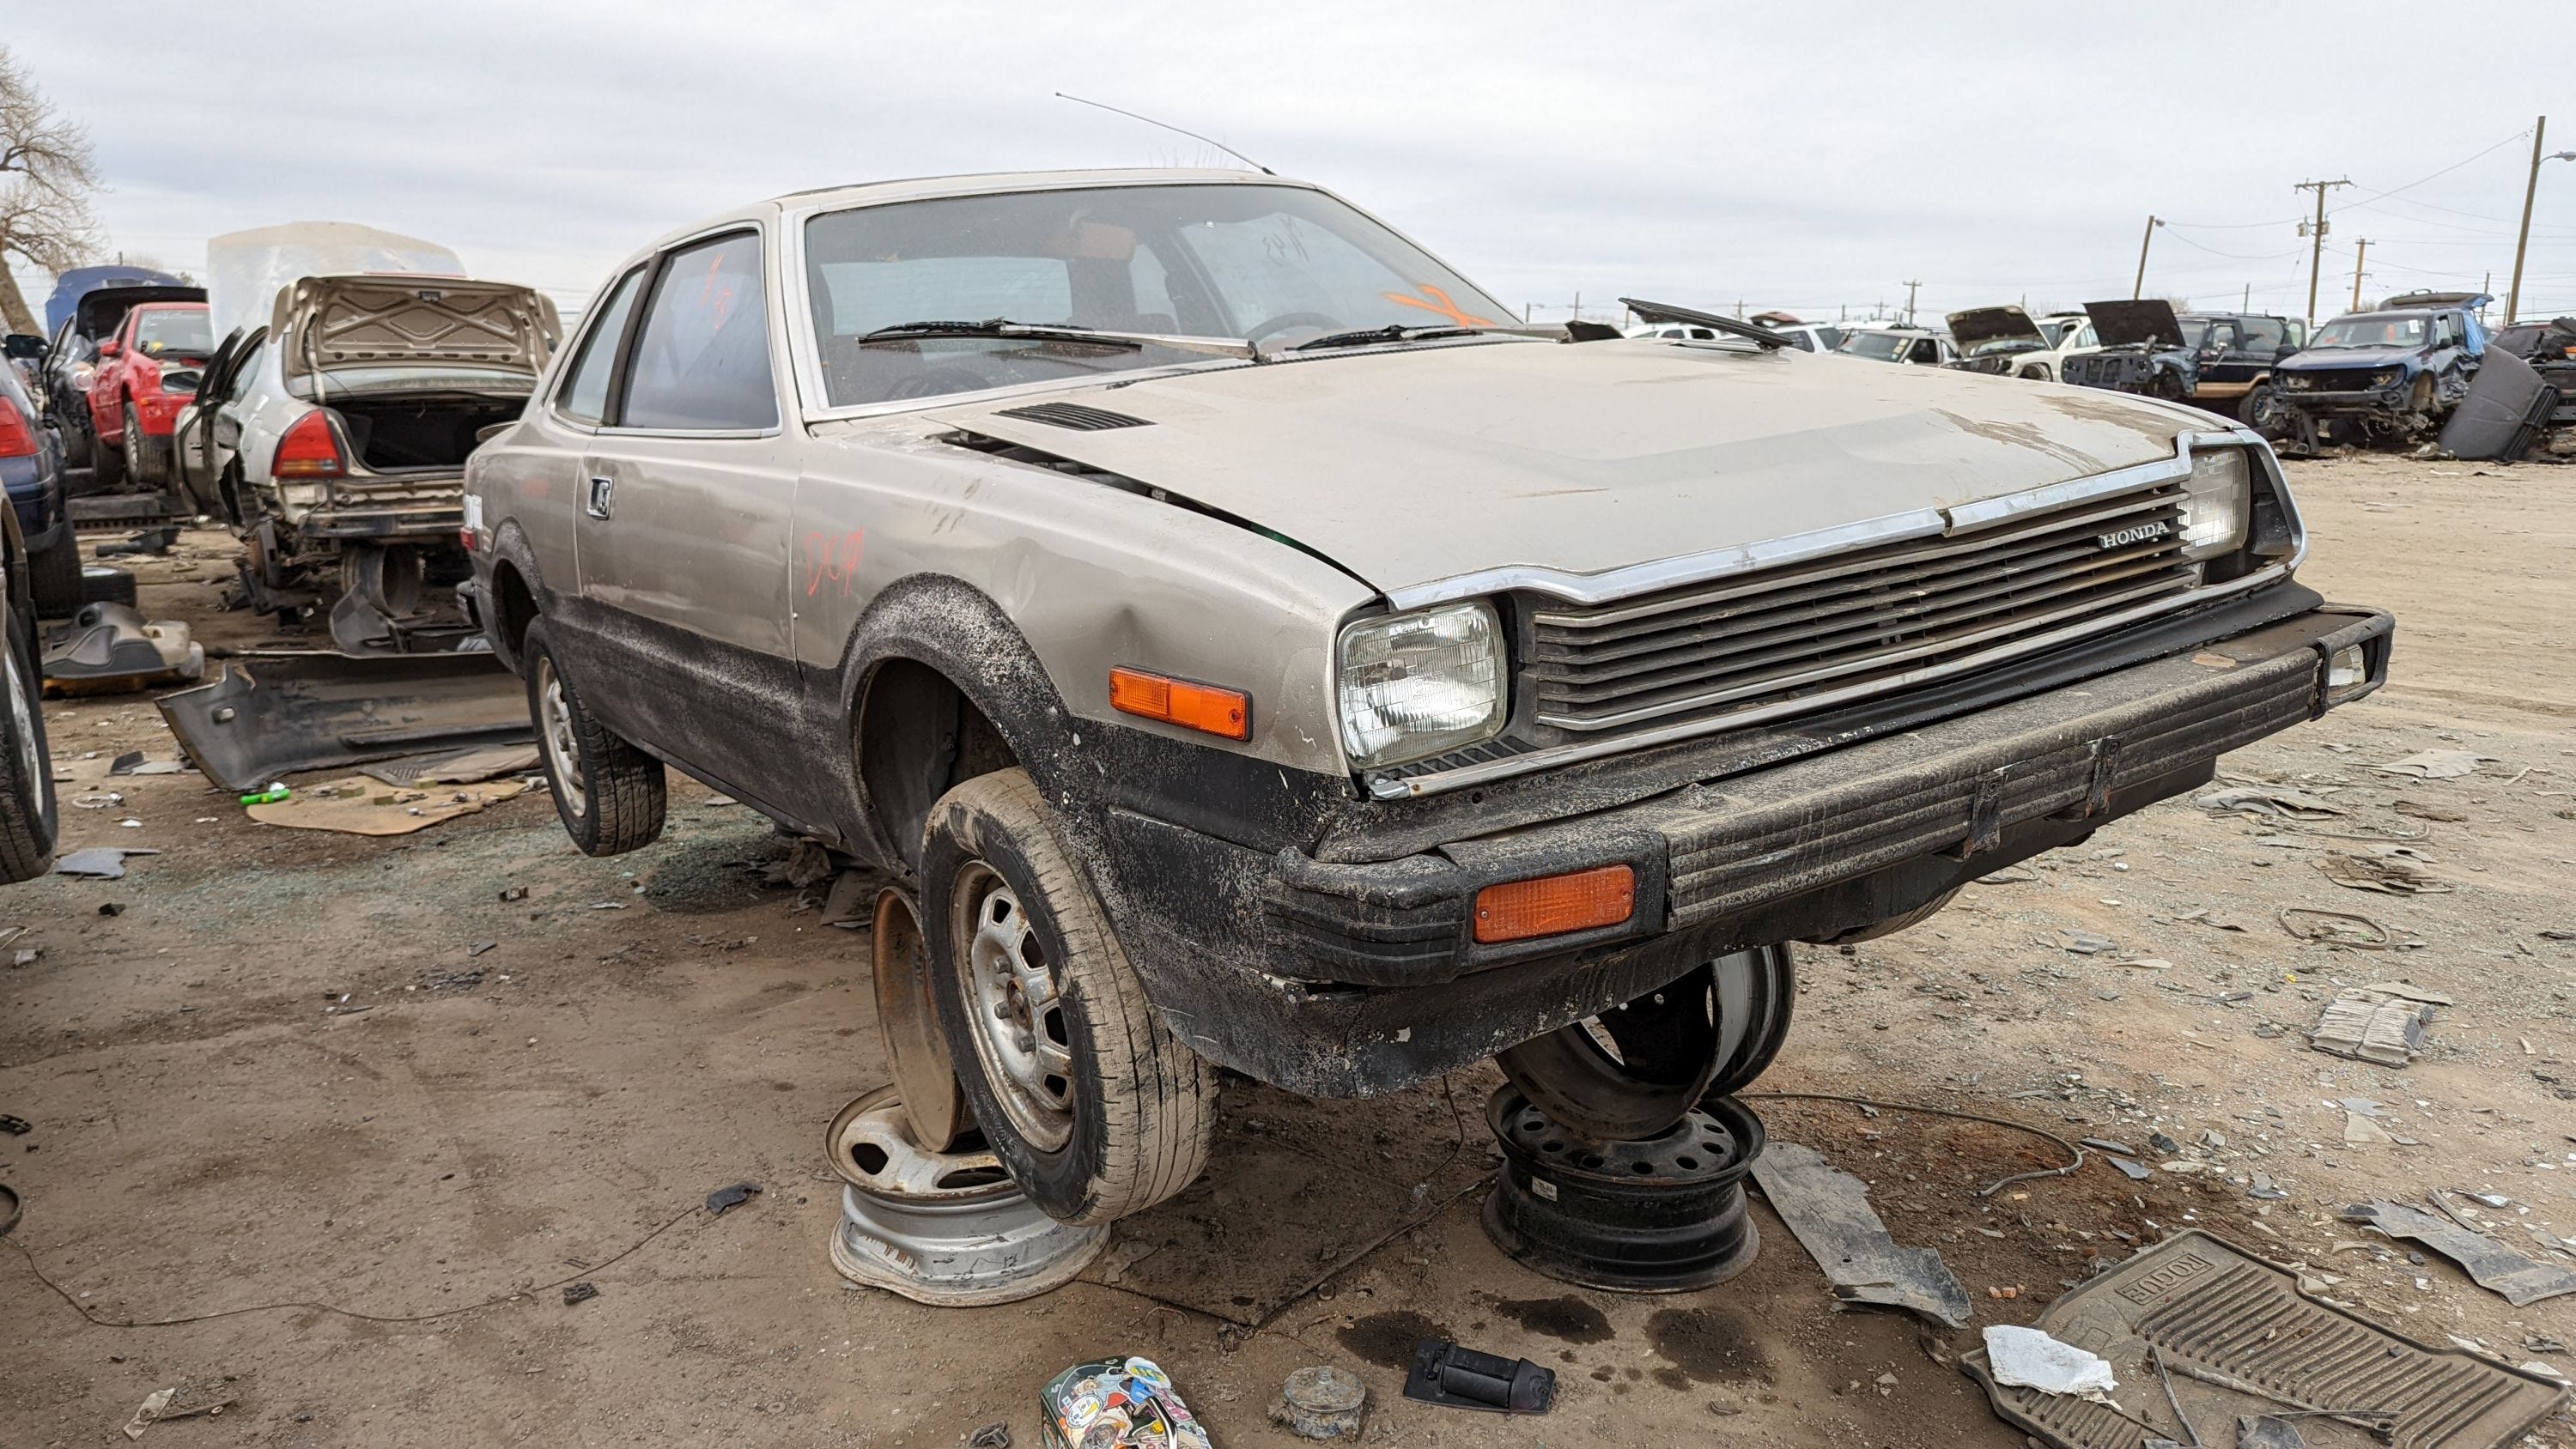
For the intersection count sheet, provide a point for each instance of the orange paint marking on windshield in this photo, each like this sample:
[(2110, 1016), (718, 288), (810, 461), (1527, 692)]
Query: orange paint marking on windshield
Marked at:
[(1439, 302)]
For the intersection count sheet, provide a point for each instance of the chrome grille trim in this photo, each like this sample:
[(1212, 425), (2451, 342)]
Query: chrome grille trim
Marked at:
[(1788, 631)]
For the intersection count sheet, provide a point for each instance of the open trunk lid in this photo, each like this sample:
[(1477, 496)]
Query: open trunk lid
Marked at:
[(378, 320)]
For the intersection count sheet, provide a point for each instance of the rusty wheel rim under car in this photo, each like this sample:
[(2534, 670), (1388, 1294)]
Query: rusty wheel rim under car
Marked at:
[(563, 750), (1019, 1028)]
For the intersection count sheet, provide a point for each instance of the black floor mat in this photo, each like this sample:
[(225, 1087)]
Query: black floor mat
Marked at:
[(2217, 1313)]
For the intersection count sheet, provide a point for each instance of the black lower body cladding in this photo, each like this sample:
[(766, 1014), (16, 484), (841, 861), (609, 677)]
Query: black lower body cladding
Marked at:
[(1350, 980)]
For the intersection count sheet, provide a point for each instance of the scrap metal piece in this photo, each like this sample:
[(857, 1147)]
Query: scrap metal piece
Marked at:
[(2242, 1340), (2266, 1431), (1321, 1402), (111, 647), (1455, 1377), (925, 1080), (274, 714), (2492, 1264), (2507, 408), (1828, 1211), (949, 1229), (99, 862)]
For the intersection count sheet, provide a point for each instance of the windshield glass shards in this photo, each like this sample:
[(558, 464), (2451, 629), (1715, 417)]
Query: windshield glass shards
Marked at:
[(1106, 280)]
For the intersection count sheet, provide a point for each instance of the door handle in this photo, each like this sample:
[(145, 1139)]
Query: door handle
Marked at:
[(601, 499)]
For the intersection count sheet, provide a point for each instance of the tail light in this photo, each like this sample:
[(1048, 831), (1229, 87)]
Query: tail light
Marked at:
[(310, 450), (17, 440)]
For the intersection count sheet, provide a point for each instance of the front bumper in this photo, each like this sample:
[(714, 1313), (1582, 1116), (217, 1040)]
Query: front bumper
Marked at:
[(2394, 398), (1353, 979)]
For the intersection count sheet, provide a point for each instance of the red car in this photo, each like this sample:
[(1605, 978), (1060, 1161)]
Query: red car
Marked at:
[(146, 373)]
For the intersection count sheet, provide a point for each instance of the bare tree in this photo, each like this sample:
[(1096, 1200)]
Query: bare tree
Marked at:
[(46, 177)]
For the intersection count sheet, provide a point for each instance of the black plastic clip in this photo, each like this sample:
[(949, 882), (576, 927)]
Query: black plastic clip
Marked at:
[(1461, 1378)]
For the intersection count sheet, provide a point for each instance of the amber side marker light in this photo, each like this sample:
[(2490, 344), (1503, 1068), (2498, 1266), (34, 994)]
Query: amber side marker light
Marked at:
[(1201, 707), (1555, 904)]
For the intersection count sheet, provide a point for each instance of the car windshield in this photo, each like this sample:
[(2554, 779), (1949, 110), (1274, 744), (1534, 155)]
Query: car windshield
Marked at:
[(1273, 265), (1881, 346), (2371, 332), (157, 331)]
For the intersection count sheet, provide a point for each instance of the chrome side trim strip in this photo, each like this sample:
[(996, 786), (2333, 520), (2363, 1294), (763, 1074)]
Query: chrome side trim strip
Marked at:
[(1602, 588), (1384, 788)]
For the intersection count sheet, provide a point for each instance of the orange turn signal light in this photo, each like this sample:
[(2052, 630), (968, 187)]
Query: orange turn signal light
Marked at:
[(1552, 905), (1201, 707)]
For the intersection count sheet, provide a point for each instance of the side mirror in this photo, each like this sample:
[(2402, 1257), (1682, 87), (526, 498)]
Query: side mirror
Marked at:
[(110, 348), (22, 345), (2286, 349)]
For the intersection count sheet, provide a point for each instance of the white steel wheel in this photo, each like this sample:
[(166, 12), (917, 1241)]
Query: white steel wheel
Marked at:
[(1020, 1034)]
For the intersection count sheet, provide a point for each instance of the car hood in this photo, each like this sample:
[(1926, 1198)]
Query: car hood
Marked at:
[(1413, 466), (1993, 324), (2132, 324), (2336, 359)]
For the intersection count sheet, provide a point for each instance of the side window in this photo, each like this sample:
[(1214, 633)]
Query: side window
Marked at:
[(702, 359), (584, 394), (1925, 350)]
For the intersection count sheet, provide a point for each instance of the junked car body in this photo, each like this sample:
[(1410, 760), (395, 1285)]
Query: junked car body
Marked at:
[(1249, 647), (1994, 340), (1917, 346), (90, 318), (360, 369), (2395, 371), (2139, 347), (2232, 354), (145, 372)]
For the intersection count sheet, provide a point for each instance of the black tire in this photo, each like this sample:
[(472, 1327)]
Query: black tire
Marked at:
[(105, 584), (27, 819), (1137, 1109), (77, 446), (610, 795), (146, 460), (54, 577), (2261, 410), (106, 464)]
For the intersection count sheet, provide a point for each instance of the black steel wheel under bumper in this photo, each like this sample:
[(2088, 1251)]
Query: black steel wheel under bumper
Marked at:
[(1354, 979), (1665, 1215)]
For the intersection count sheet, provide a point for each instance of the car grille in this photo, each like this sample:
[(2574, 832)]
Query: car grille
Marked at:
[(2098, 371), (2347, 379), (1778, 635)]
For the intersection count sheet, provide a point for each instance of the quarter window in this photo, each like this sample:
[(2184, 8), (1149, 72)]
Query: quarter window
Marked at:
[(702, 360), (585, 389)]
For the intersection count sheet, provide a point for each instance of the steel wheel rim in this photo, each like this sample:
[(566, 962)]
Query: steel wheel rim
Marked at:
[(1016, 1009), (25, 743), (563, 748)]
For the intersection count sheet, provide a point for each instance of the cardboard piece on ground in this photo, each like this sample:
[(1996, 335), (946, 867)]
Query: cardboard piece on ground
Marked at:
[(360, 806), (456, 767)]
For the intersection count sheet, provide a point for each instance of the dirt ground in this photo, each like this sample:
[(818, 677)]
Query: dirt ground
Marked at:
[(278, 1067)]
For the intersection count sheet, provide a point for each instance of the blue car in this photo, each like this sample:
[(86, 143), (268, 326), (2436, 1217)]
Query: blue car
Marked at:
[(31, 467), (2397, 371)]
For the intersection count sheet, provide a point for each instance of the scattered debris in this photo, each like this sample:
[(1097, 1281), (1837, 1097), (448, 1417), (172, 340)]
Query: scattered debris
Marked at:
[(2433, 765), (99, 862), (807, 863), (456, 767), (2492, 1264), (2271, 800), (514, 893), (996, 1435), (1828, 1210), (2383, 1023), (725, 1198), (15, 1126), (1322, 1402), (2396, 875), (1118, 1404), (2422, 811), (2029, 1358), (2336, 928), (185, 1401), (2267, 1431), (2230, 1335), (2106, 1144), (2085, 943), (109, 648), (852, 902), (2135, 1170), (2009, 875), (1461, 1378), (358, 807), (580, 1293)]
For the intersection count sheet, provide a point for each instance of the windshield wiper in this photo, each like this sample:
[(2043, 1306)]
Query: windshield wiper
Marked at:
[(1392, 332), (1004, 327)]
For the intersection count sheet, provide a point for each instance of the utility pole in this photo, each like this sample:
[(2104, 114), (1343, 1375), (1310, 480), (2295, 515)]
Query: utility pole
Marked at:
[(2522, 240), (2317, 238), (2248, 304), (2140, 289), (2359, 251), (1909, 302)]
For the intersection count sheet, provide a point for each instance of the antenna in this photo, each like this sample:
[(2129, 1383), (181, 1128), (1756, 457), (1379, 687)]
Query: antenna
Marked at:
[(1150, 121)]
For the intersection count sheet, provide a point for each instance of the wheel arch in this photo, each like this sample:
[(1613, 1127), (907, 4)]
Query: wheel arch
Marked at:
[(518, 593)]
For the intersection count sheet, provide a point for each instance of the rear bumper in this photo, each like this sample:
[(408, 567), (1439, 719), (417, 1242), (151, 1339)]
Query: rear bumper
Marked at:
[(1352, 979)]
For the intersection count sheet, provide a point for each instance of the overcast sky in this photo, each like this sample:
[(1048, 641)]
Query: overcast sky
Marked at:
[(1813, 156)]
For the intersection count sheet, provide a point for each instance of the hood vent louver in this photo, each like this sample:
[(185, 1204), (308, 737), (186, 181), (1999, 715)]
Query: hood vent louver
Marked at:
[(1075, 416)]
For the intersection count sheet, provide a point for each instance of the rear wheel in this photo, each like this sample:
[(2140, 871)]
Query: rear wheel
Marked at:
[(1096, 1109), (144, 458), (2261, 411), (610, 795), (1631, 1073), (26, 770)]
